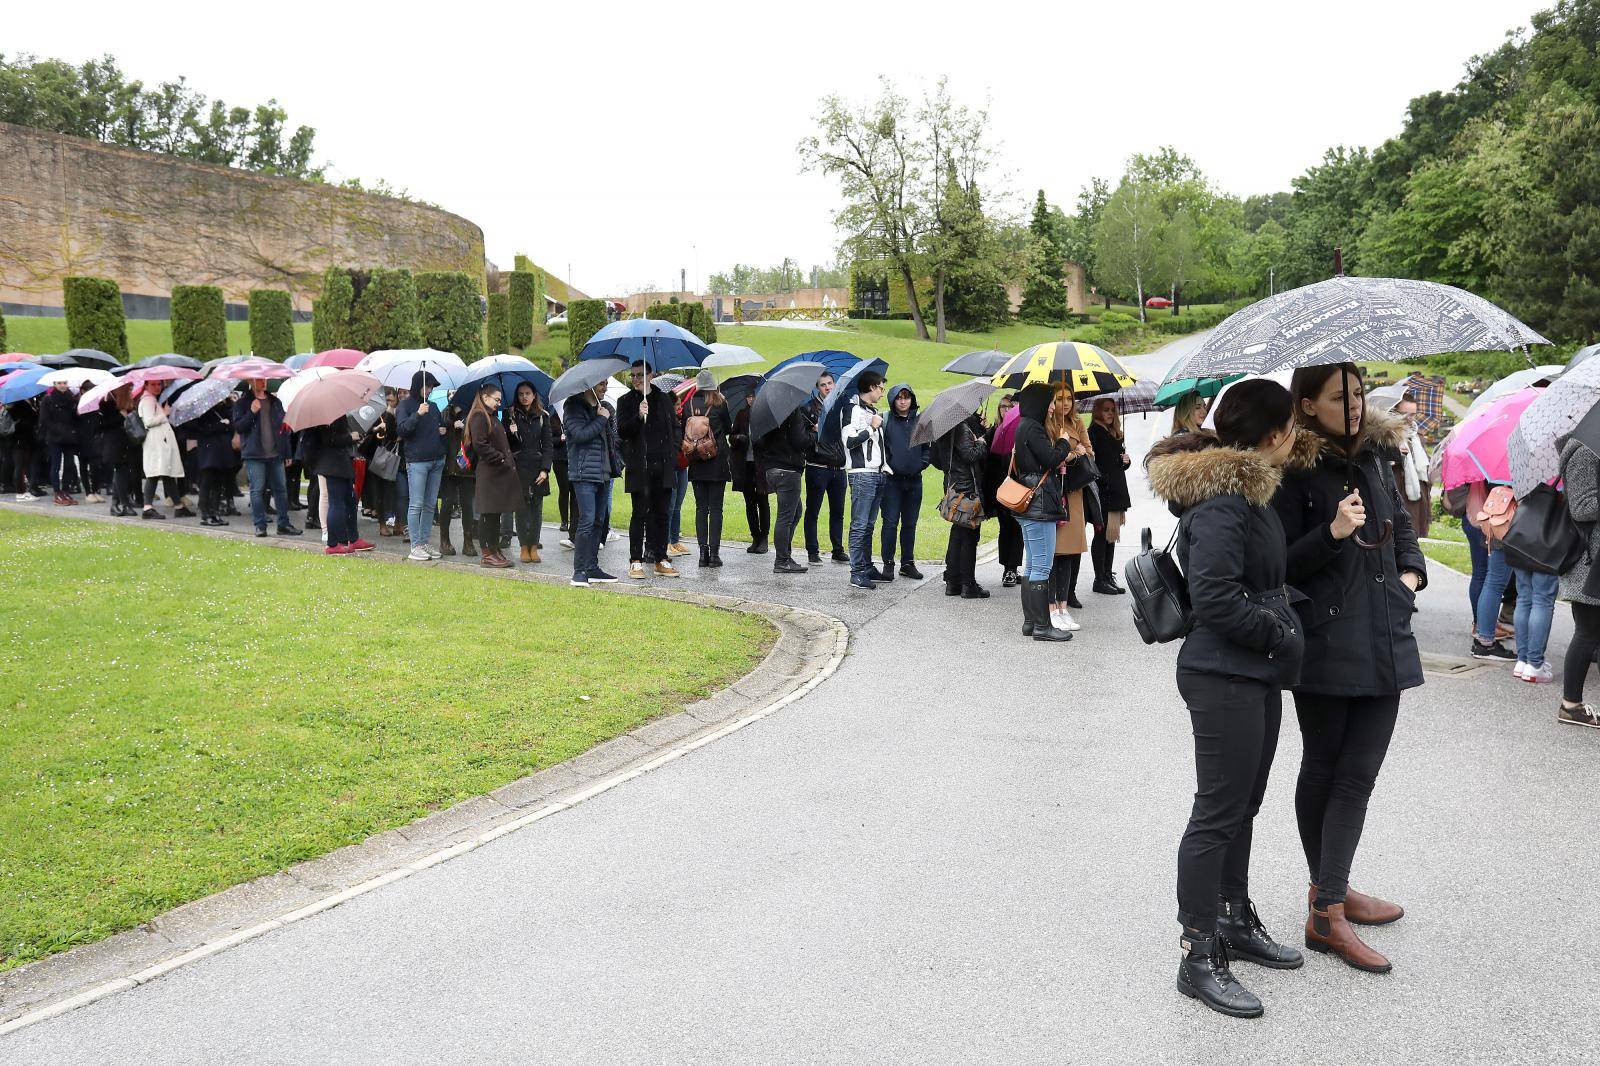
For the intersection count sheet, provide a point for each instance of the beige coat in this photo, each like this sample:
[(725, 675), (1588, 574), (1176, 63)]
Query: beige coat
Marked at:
[(162, 458), (1072, 535)]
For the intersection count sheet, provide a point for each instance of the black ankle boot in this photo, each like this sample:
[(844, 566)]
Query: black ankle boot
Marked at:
[(705, 558), (1204, 975), (1240, 925)]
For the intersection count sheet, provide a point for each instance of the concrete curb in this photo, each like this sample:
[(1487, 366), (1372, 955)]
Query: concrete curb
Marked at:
[(809, 648)]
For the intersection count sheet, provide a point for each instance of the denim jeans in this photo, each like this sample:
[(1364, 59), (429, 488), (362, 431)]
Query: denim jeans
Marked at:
[(680, 489), (266, 475), (402, 496), (902, 500), (824, 482), (588, 497), (1496, 576), (1039, 542), (866, 494), (1536, 608), (341, 511), (1478, 550), (422, 481)]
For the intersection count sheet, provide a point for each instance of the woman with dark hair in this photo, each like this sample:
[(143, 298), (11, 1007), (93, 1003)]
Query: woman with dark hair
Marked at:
[(1354, 555), (118, 451), (533, 442), (212, 432), (163, 463), (1111, 456), (705, 442), (456, 486), (1244, 647), (969, 446), (750, 481), (497, 489), (330, 455), (1036, 462)]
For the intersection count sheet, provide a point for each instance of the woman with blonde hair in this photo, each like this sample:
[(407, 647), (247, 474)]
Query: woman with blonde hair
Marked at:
[(1072, 531), (1111, 457), (1190, 414)]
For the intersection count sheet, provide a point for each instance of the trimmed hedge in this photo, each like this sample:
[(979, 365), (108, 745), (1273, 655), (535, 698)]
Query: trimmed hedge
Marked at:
[(2, 332), (199, 322), (520, 293), (385, 312), (584, 320), (330, 313), (499, 336), (94, 315), (271, 324), (450, 313)]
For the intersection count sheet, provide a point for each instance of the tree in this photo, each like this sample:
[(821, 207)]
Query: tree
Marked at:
[(584, 320), (385, 311), (330, 312), (499, 342), (450, 313), (1044, 296), (271, 324), (1126, 239), (520, 292), (956, 244), (94, 315)]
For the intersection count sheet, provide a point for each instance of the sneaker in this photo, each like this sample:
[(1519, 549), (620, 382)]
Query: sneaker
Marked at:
[(813, 558), (863, 583), (1583, 714), (433, 553), (419, 554), (261, 532), (24, 497), (1009, 579), (1062, 619), (1542, 674), (183, 512), (879, 575), (636, 571), (289, 531), (677, 548), (94, 497), (840, 555), (579, 582), (565, 543), (600, 576), (666, 569), (788, 566), (1492, 652), (910, 572), (336, 549), (1520, 671), (361, 545)]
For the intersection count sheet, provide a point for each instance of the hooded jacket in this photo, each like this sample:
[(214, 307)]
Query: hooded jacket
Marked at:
[(904, 459), (1357, 618), (866, 449), (1038, 458), (1232, 552), (589, 441), (418, 421)]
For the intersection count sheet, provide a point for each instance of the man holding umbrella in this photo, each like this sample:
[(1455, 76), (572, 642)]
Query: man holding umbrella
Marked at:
[(264, 447), (652, 437)]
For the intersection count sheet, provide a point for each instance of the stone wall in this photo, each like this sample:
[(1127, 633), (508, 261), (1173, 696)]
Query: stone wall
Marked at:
[(149, 222)]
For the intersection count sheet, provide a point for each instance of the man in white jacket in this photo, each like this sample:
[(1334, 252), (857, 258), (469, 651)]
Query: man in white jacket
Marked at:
[(866, 464)]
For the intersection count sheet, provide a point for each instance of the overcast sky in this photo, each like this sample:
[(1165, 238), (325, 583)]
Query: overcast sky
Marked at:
[(630, 141)]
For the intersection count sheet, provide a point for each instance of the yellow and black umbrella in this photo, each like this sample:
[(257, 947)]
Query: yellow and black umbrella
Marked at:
[(1087, 370)]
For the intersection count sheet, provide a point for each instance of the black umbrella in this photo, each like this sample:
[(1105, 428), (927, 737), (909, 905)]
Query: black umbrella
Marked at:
[(584, 375), (169, 359), (979, 364), (60, 360), (91, 357), (949, 409), (782, 391), (737, 389)]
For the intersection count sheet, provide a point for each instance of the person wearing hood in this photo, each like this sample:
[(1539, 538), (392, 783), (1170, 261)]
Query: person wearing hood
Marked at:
[(902, 487), (58, 425), (1353, 553), (652, 438), (1036, 462), (706, 427), (421, 430), (969, 450), (1245, 645), (264, 446)]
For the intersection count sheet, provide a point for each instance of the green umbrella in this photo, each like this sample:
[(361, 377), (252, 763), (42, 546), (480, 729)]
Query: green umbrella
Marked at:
[(1172, 391)]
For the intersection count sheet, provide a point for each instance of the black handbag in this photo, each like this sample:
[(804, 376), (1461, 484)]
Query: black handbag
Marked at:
[(134, 427), (1157, 592), (1093, 513), (1543, 537), (1080, 473)]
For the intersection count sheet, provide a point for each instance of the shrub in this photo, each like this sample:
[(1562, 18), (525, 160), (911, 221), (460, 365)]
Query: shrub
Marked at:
[(556, 327), (94, 315), (519, 308), (1117, 316), (667, 312), (584, 320), (271, 324), (450, 313), (498, 338), (199, 322), (385, 312), (2, 332), (330, 314)]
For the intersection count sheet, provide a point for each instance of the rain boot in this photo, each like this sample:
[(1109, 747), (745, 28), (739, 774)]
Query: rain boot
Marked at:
[(1037, 604), (445, 547)]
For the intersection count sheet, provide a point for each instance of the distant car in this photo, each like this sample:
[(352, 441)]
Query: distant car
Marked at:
[(561, 318), (1158, 301)]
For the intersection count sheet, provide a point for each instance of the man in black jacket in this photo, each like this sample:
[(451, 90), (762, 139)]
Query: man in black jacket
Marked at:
[(782, 454), (825, 480), (264, 446), (58, 425), (651, 438)]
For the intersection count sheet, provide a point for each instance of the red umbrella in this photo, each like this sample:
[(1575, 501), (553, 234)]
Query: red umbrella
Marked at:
[(343, 358)]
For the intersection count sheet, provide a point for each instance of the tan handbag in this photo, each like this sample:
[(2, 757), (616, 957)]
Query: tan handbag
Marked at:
[(1013, 495)]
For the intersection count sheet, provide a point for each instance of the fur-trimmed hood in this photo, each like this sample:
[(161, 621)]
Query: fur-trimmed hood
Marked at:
[(1382, 430), (1189, 468)]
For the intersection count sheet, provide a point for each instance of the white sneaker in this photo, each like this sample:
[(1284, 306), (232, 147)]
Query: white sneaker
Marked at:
[(1542, 674), (565, 543), (24, 497), (419, 554), (1062, 620), (1520, 671), (433, 553)]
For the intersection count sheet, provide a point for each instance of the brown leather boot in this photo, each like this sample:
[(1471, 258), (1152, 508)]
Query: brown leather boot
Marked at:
[(1362, 909), (533, 555), (1330, 932), (525, 554)]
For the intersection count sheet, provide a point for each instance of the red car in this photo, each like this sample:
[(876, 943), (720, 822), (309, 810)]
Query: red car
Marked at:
[(1158, 301)]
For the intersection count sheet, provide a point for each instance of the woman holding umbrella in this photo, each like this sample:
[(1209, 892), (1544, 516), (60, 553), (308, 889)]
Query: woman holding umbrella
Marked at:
[(749, 480), (331, 456), (1111, 457), (706, 427), (994, 472), (212, 431), (1338, 505), (163, 462), (1036, 462), (498, 490), (119, 452), (533, 442)]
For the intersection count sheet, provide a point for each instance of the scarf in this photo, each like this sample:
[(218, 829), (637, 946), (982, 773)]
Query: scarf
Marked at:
[(1414, 463)]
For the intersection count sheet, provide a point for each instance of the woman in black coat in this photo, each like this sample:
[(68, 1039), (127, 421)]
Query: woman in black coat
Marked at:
[(995, 466), (456, 487), (330, 454), (118, 451), (1353, 553), (968, 450), (497, 489), (212, 433), (1244, 647), (749, 480), (1111, 457), (532, 433), (707, 447), (1036, 462), (651, 436)]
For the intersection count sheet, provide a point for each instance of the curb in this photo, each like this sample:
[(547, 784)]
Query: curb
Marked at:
[(809, 648)]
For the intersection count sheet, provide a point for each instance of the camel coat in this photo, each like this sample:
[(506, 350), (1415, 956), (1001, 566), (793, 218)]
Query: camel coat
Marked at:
[(1072, 536)]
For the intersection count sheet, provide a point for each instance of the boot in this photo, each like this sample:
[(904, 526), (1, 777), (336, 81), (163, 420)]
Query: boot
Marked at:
[(1330, 932), (445, 547), (1036, 603), (1362, 909), (527, 553), (974, 591), (1204, 975), (952, 588), (1240, 925), (705, 557), (533, 555), (467, 546)]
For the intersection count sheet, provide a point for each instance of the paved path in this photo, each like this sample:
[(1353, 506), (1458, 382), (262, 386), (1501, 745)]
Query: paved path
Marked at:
[(959, 848)]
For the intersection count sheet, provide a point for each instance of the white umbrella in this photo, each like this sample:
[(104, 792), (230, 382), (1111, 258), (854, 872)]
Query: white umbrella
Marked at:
[(1515, 383), (395, 367), (731, 355), (77, 377)]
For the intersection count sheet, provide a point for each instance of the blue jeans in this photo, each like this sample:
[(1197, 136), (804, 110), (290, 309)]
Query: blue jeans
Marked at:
[(1039, 541), (680, 489), (266, 475), (1495, 578), (590, 497), (1478, 549), (341, 511), (866, 493), (1536, 608), (902, 500), (422, 483), (824, 483), (402, 496)]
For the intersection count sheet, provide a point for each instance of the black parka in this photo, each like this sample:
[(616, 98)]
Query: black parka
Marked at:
[(969, 448), (1038, 458), (533, 446), (649, 445)]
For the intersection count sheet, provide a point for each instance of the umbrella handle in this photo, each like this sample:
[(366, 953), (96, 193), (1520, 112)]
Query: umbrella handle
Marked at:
[(1385, 531)]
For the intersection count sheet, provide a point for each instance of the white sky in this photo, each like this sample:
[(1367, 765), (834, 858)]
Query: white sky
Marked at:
[(631, 140)]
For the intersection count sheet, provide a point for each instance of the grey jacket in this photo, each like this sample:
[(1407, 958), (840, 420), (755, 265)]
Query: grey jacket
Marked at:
[(1580, 476)]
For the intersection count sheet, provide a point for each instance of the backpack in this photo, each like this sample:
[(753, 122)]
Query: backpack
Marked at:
[(1158, 592), (943, 449), (1497, 513), (699, 443)]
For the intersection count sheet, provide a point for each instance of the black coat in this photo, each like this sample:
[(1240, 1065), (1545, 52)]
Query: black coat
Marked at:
[(590, 454), (533, 447), (453, 438), (58, 418), (331, 449), (115, 447), (1108, 451), (649, 446), (1358, 618), (212, 433), (718, 467), (1039, 462), (785, 447), (746, 471), (1231, 549), (969, 450)]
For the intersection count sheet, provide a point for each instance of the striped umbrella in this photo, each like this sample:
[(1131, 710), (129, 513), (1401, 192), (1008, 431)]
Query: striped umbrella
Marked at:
[(1088, 370), (1136, 399)]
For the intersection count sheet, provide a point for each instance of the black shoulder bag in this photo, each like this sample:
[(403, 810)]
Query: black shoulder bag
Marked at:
[(1158, 592)]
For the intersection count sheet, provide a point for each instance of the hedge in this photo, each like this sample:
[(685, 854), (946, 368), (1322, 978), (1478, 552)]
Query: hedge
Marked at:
[(385, 312), (330, 314), (499, 336), (199, 322), (271, 324), (450, 313), (2, 332), (94, 315), (584, 319), (520, 292)]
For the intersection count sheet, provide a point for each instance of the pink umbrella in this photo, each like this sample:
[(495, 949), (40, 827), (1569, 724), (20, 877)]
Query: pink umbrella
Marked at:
[(253, 367), (317, 403), (343, 358), (1005, 437), (1477, 448), (90, 401), (162, 373), (15, 357)]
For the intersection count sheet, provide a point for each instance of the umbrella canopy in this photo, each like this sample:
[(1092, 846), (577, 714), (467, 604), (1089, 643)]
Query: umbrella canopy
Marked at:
[(1535, 445), (1352, 320), (12, 368), (949, 409), (1174, 390), (830, 422), (211, 365), (163, 372), (252, 367), (291, 388), (833, 361), (78, 376), (782, 391), (1477, 449), (327, 398), (1582, 353), (199, 398), (1087, 369), (982, 364), (505, 372), (168, 359), (584, 375), (396, 367), (23, 384), (91, 399), (1516, 382), (731, 355), (1135, 399), (56, 361), (299, 360), (667, 382), (16, 357), (92, 357), (651, 341), (735, 389), (339, 358)]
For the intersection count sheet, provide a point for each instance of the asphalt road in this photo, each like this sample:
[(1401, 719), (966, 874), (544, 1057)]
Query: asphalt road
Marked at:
[(958, 849)]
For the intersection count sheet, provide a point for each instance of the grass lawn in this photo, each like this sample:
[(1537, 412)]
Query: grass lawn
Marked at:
[(41, 336), (183, 714), (1455, 556)]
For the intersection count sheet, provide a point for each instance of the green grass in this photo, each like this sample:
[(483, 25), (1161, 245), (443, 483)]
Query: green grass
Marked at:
[(41, 336), (1455, 556), (183, 714)]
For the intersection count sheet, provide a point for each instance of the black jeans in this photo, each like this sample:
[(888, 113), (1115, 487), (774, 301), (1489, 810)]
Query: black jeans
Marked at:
[(1345, 740), (758, 515), (124, 485), (708, 515), (902, 503), (785, 484), (647, 526), (455, 495), (1064, 577), (170, 484), (566, 503), (1580, 653), (1010, 541), (213, 492), (961, 557), (1235, 723), (530, 521), (824, 482)]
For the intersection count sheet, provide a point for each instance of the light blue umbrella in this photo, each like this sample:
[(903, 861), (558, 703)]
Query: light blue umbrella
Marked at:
[(298, 362), (24, 385), (658, 345)]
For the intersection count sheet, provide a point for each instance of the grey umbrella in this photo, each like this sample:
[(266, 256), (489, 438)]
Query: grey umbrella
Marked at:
[(949, 409), (168, 359), (584, 375), (667, 382), (1136, 399), (781, 392), (1581, 354), (92, 357), (1534, 447), (199, 398), (1352, 320), (979, 364)]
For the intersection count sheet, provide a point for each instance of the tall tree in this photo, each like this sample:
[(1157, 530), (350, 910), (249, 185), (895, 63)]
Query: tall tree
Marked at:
[(1126, 240), (958, 159), (1044, 294)]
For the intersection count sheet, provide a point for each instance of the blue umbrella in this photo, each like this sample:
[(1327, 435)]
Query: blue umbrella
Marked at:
[(505, 372), (24, 385), (298, 362), (21, 364), (830, 423), (658, 345), (837, 362)]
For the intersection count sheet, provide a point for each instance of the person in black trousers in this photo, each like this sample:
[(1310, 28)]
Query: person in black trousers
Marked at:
[(1111, 457), (1354, 555), (995, 467), (969, 444), (825, 481), (652, 437), (706, 426), (212, 433), (750, 481), (531, 431), (781, 456), (1245, 646)]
